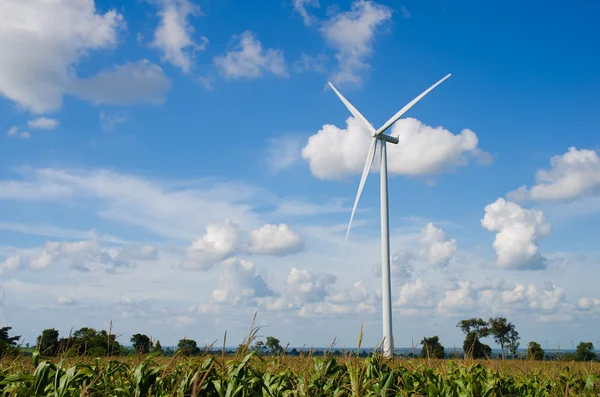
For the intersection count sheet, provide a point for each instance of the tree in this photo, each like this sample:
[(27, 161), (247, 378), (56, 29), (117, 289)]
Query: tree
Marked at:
[(513, 342), (432, 347), (473, 348), (89, 341), (141, 343), (585, 352), (7, 343), (260, 346), (47, 342), (504, 333), (475, 328), (474, 325), (535, 351), (9, 340), (273, 344), (188, 347), (157, 348)]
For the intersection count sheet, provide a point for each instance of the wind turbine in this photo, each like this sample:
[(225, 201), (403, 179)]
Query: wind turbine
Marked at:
[(379, 136)]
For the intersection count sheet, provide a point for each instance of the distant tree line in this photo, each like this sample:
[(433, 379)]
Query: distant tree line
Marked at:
[(505, 335), (91, 342)]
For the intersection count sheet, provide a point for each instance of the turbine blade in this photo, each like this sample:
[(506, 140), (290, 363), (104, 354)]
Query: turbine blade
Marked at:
[(408, 106), (354, 111), (363, 179)]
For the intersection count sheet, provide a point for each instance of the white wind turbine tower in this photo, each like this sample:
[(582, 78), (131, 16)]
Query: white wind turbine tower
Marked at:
[(378, 135)]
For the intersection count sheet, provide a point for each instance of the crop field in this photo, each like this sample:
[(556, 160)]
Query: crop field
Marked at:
[(255, 375)]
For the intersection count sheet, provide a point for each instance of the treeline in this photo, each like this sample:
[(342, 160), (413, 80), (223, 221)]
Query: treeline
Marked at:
[(91, 342), (505, 335)]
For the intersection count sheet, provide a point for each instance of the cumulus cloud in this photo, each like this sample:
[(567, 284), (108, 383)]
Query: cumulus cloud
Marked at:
[(304, 286), (300, 8), (239, 283), (221, 241), (43, 123), (226, 239), (416, 295), (435, 245), (591, 305), (461, 297), (248, 59), (173, 35), (547, 300), (275, 240), (572, 175), (10, 264), (40, 42), (401, 264), (351, 34), (517, 233), (129, 83), (333, 153)]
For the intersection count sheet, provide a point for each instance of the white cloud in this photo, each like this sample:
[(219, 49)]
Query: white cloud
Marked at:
[(43, 123), (41, 42), (572, 175), (173, 36), (129, 83), (435, 246), (220, 241), (401, 264), (300, 8), (275, 240), (416, 295), (518, 231), (239, 283), (84, 255), (589, 305), (175, 209), (548, 300), (248, 59), (14, 132), (423, 150), (351, 35), (226, 240), (460, 298), (10, 264), (304, 286)]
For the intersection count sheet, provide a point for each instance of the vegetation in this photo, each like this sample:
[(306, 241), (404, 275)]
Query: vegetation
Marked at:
[(585, 352), (93, 363), (535, 351), (475, 329), (254, 375), (7, 343), (432, 348), (141, 343)]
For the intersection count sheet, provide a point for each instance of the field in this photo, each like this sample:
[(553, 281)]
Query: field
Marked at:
[(253, 375)]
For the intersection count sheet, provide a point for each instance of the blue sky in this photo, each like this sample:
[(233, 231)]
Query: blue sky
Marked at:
[(175, 166)]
